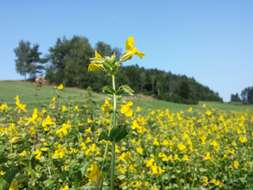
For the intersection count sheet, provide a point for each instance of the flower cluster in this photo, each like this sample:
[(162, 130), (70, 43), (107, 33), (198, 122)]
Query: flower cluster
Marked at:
[(50, 149)]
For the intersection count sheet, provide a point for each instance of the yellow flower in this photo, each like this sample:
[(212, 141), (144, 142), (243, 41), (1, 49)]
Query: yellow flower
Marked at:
[(204, 180), (65, 187), (48, 122), (60, 87), (38, 154), (19, 105), (243, 139), (131, 50), (96, 63), (181, 147), (24, 153), (59, 152), (14, 185), (235, 164), (2, 172), (139, 150), (3, 107), (94, 174), (207, 156), (63, 130), (126, 109)]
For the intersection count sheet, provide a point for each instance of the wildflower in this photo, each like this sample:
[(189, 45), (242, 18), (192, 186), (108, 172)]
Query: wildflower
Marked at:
[(106, 105), (93, 173), (47, 122), (63, 130), (38, 154), (19, 105), (126, 109), (3, 107), (131, 50), (59, 152), (204, 180), (63, 108), (60, 87), (243, 139), (181, 147), (65, 187), (2, 172), (14, 185), (207, 156), (24, 153), (235, 164), (96, 63), (139, 150)]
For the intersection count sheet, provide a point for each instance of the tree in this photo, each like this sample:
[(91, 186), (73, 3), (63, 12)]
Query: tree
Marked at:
[(69, 60), (235, 98), (247, 95), (28, 61), (103, 48)]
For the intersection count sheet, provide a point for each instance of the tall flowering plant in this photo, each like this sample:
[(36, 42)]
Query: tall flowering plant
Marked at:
[(111, 65)]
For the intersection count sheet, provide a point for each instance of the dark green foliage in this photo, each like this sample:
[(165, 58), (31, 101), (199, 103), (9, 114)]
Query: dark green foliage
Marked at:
[(247, 95), (28, 60), (70, 58), (235, 98)]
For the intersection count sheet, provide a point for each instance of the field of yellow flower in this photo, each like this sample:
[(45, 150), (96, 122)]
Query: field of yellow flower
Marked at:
[(60, 147), (66, 146)]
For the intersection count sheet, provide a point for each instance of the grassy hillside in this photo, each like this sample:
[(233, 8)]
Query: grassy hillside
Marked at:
[(34, 96)]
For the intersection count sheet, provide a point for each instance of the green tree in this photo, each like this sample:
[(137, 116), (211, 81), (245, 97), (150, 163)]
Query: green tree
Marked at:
[(235, 98), (247, 95), (28, 59), (69, 61)]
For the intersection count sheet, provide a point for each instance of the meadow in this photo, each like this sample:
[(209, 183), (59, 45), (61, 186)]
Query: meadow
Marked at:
[(34, 96), (54, 142), (67, 138)]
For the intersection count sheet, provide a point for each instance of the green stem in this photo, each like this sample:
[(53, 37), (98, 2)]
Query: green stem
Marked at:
[(112, 165), (114, 125)]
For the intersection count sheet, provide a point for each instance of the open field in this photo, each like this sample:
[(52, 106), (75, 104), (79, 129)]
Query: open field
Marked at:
[(34, 96), (65, 146)]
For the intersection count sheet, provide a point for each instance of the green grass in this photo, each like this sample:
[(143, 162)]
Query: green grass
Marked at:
[(33, 96)]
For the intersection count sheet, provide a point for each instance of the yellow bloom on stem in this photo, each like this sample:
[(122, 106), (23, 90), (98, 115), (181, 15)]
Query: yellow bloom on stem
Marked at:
[(235, 164), (126, 109), (65, 187), (94, 174), (243, 139), (19, 105), (38, 154), (14, 185), (96, 63), (60, 87), (131, 50), (3, 107), (181, 147)]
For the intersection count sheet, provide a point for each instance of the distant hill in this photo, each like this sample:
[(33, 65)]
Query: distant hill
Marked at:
[(166, 85)]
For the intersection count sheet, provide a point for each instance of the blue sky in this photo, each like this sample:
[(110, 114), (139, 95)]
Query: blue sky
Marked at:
[(209, 40)]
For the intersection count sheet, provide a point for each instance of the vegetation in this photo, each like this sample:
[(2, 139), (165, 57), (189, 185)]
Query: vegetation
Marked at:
[(29, 61), (39, 97), (59, 146), (246, 96), (68, 63), (64, 144)]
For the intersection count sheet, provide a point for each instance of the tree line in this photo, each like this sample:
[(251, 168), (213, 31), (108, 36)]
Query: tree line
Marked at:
[(246, 96), (67, 62)]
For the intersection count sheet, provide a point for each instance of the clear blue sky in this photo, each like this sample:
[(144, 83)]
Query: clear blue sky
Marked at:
[(209, 40)]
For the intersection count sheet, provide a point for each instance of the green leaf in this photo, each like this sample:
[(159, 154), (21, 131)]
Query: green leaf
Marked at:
[(125, 89), (103, 136), (108, 90), (3, 184), (118, 133)]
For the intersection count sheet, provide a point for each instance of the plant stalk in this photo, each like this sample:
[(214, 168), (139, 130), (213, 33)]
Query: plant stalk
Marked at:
[(114, 125)]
